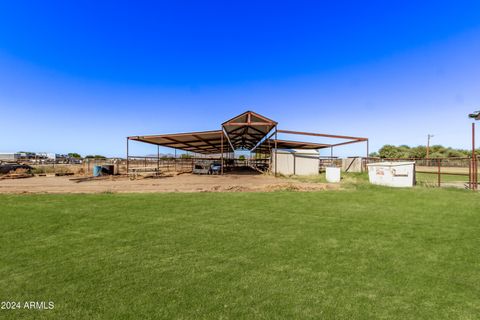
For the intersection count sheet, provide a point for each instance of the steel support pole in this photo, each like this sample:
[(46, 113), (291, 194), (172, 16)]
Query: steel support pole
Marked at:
[(368, 154), (294, 164), (175, 160), (474, 160), (368, 148), (127, 155), (470, 174), (476, 173), (158, 159), (221, 150), (276, 163)]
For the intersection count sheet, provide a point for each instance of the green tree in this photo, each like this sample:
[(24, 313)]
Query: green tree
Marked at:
[(418, 152), (389, 151), (241, 157), (436, 155), (437, 149), (74, 155)]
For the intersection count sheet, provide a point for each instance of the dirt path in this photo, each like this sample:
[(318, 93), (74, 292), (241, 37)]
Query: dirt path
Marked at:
[(181, 183)]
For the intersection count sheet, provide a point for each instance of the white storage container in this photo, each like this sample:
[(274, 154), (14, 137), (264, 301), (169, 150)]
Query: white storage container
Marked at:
[(392, 174), (332, 174)]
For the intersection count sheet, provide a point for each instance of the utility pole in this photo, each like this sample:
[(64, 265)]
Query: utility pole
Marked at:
[(474, 160)]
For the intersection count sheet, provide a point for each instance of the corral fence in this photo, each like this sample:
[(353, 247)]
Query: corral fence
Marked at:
[(141, 164), (330, 162), (152, 164), (440, 172)]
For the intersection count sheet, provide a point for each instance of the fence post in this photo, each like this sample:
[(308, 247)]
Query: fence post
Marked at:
[(470, 174), (475, 163), (474, 170), (127, 156)]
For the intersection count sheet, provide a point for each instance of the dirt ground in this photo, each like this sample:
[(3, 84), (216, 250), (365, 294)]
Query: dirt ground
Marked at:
[(179, 183)]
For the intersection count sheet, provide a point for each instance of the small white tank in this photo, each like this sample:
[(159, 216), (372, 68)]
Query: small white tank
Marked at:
[(333, 174)]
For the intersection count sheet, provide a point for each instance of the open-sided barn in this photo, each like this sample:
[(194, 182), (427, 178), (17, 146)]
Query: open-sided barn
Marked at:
[(256, 134)]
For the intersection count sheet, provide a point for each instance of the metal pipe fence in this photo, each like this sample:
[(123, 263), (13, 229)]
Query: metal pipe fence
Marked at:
[(440, 172), (154, 164)]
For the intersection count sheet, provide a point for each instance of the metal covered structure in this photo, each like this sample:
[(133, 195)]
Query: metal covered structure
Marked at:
[(248, 131)]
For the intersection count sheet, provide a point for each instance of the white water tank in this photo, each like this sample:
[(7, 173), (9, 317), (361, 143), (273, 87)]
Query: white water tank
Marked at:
[(392, 174), (332, 174)]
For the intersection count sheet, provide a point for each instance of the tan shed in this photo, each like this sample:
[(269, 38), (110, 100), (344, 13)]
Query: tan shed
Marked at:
[(299, 162)]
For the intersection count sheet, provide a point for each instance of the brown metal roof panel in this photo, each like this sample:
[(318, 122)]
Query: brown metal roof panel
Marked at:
[(205, 142), (213, 132), (249, 116)]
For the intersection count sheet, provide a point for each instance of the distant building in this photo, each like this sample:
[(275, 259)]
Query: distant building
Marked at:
[(10, 156)]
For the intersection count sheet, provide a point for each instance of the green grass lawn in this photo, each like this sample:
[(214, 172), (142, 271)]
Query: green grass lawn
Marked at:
[(368, 253), (432, 178)]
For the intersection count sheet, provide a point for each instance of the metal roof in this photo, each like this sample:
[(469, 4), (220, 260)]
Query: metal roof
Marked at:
[(247, 131), (204, 142)]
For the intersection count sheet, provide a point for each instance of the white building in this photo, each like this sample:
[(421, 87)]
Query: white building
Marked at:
[(9, 156)]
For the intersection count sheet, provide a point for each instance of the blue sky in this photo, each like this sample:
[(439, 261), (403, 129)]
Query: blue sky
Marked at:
[(81, 76)]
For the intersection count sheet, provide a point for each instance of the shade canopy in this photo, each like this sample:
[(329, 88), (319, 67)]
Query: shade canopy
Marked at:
[(203, 142), (247, 131)]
